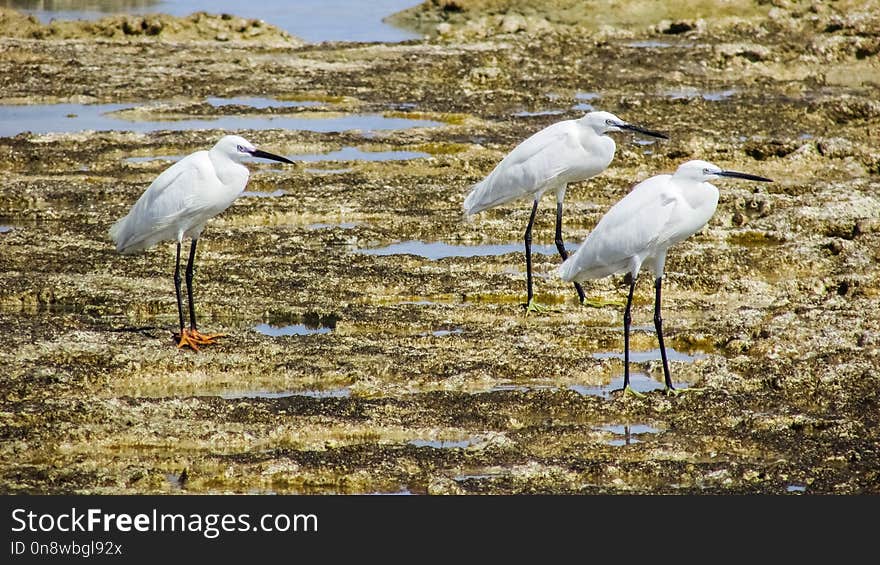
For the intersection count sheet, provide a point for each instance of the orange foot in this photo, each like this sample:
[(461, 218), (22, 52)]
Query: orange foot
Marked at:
[(193, 338)]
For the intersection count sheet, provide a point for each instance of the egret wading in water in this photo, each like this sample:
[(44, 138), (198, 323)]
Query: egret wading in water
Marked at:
[(178, 204), (562, 153), (658, 213)]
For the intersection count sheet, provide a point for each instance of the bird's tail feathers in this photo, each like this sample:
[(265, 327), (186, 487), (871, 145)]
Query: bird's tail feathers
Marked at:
[(472, 204), (567, 270), (119, 233)]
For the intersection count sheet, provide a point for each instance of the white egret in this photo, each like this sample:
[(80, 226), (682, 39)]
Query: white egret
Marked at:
[(178, 204), (562, 153), (658, 213)]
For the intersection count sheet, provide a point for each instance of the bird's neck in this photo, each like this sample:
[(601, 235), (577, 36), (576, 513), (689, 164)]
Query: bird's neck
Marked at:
[(230, 173)]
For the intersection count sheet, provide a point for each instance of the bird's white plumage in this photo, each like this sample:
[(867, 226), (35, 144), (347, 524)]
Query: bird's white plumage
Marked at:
[(179, 202), (640, 228), (564, 152)]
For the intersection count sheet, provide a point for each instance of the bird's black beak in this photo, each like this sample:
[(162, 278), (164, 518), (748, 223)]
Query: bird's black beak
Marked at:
[(746, 176), (267, 155), (642, 130)]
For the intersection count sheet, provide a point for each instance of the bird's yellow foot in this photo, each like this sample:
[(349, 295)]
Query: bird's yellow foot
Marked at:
[(533, 306), (193, 338), (677, 391), (629, 390)]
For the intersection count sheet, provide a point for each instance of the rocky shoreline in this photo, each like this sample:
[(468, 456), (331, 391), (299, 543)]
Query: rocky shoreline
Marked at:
[(428, 378)]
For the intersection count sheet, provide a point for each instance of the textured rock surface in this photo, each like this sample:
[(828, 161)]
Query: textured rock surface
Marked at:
[(432, 380)]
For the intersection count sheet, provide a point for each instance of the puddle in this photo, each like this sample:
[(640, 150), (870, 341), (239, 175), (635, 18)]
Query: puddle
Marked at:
[(68, 118), (442, 333), (355, 154), (628, 431), (322, 226), (521, 388), (715, 96), (795, 488), (169, 158), (287, 324), (292, 329), (5, 229), (261, 103), (639, 382), (328, 171), (652, 355), (648, 44), (343, 392), (402, 492), (525, 114), (263, 194), (434, 250), (311, 20), (583, 97), (177, 481), (442, 443)]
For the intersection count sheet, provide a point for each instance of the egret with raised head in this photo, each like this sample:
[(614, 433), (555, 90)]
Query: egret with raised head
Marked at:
[(562, 153), (178, 204), (639, 230)]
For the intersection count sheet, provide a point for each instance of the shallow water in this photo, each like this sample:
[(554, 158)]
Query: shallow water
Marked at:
[(68, 118), (440, 250), (343, 392), (710, 96), (652, 355), (261, 103), (263, 194), (441, 443), (292, 329), (311, 20), (639, 382)]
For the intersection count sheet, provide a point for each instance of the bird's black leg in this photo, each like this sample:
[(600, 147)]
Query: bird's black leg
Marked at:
[(528, 242), (177, 281), (191, 337), (658, 324), (189, 282), (627, 320), (560, 246)]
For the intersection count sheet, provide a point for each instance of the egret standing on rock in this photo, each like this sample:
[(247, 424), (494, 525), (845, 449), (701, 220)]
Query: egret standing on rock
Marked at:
[(562, 153), (658, 213), (178, 204)]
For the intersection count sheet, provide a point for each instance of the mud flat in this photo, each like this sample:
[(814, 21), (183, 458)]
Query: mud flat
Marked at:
[(356, 367)]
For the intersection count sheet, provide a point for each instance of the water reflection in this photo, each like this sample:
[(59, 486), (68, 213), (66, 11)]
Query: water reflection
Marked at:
[(434, 250), (69, 118), (639, 382), (292, 329), (343, 392)]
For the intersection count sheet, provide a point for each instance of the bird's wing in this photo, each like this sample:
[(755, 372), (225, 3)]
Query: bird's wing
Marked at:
[(634, 227), (168, 205), (531, 167)]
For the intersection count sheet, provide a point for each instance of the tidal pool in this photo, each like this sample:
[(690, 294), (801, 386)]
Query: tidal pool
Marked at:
[(343, 392), (70, 118), (434, 250), (292, 329)]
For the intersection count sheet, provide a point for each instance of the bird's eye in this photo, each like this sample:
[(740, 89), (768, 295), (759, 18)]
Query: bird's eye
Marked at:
[(241, 149), (609, 122)]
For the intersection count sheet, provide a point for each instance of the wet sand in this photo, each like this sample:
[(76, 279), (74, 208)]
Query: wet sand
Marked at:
[(426, 376)]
